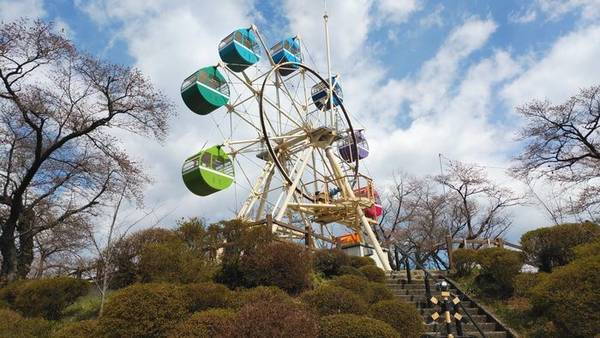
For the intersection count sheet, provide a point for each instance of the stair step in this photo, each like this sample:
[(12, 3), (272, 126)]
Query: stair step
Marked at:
[(428, 311), (488, 334), (466, 327)]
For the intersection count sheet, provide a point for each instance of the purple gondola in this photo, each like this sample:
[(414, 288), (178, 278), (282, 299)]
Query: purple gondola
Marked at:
[(350, 151)]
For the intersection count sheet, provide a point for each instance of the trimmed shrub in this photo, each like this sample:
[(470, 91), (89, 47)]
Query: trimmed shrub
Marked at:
[(348, 325), (568, 296), (259, 294), (86, 307), (356, 284), (243, 239), (126, 253), (464, 260), (13, 324), (588, 249), (373, 273), (203, 296), (206, 324), (328, 300), (359, 262), (379, 292), (350, 270), (281, 264), (329, 262), (276, 319), (498, 269), (401, 316), (84, 328), (46, 297), (525, 282), (172, 262), (143, 310), (551, 247)]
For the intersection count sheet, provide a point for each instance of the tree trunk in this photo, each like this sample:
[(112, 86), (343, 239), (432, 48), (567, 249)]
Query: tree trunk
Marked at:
[(8, 271), (25, 252)]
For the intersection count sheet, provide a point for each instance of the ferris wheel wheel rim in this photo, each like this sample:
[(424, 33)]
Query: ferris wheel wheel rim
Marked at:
[(264, 128)]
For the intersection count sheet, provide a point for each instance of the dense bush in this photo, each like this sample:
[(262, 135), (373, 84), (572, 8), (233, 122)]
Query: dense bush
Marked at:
[(172, 262), (143, 310), (373, 273), (358, 285), (401, 316), (350, 270), (328, 300), (83, 329), (202, 296), (13, 324), (348, 325), (525, 282), (359, 262), (464, 260), (242, 239), (588, 249), (276, 319), (379, 292), (86, 307), (329, 262), (281, 264), (206, 324), (259, 294), (551, 247), (46, 297), (126, 253), (498, 269), (569, 295)]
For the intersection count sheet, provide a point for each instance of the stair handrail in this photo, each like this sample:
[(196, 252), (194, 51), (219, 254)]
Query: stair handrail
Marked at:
[(426, 281)]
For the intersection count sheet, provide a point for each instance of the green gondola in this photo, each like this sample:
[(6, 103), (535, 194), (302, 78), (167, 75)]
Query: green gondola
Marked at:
[(208, 171), (205, 90)]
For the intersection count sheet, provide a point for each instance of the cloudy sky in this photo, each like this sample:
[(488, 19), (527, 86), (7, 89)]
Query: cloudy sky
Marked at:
[(423, 77)]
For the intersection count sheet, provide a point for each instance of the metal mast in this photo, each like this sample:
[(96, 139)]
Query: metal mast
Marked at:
[(327, 47)]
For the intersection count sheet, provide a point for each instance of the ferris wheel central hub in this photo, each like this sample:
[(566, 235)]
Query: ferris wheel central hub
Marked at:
[(322, 137)]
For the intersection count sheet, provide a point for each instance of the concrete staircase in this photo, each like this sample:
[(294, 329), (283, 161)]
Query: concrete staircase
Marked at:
[(414, 293)]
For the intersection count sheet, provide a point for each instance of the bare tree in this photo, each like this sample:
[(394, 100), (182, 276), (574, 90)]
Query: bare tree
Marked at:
[(58, 156), (562, 143), (477, 204)]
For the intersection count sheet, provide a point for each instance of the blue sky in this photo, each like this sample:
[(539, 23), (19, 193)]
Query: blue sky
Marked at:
[(423, 77)]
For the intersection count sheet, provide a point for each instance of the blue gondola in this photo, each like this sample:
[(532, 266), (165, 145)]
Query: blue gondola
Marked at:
[(240, 49), (320, 97), (287, 50), (350, 151)]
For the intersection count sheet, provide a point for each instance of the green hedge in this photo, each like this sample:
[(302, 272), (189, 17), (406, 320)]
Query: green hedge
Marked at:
[(464, 260), (552, 246), (202, 296), (143, 310), (569, 297), (373, 273), (328, 300), (401, 316), (46, 297), (259, 294), (206, 324), (83, 329), (498, 270), (348, 325), (282, 264), (350, 270), (329, 262), (379, 292), (276, 319), (359, 262), (525, 282), (86, 307), (358, 285), (13, 324)]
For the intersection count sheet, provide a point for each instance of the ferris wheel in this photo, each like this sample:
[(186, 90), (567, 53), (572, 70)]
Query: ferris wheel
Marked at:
[(286, 137)]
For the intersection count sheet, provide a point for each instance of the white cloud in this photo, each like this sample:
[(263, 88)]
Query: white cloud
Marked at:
[(570, 64), (397, 11), (433, 19), (14, 9), (555, 9), (525, 15)]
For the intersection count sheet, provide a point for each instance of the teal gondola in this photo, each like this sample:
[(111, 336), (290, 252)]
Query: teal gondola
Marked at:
[(287, 50), (240, 49), (205, 90)]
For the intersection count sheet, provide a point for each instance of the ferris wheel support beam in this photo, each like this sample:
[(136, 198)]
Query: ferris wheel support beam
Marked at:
[(292, 188), (249, 203), (363, 219)]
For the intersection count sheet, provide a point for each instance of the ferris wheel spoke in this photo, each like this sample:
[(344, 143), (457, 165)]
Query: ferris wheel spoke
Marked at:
[(282, 112)]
